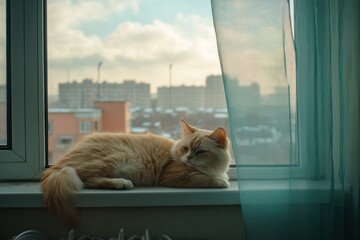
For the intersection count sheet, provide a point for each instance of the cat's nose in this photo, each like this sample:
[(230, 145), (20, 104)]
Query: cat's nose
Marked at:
[(189, 157)]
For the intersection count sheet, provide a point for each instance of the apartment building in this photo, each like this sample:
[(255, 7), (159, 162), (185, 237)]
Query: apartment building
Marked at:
[(184, 97), (214, 92), (211, 96), (68, 126), (84, 94)]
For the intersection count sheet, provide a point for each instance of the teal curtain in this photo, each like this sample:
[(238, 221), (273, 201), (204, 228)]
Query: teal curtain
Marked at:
[(292, 82)]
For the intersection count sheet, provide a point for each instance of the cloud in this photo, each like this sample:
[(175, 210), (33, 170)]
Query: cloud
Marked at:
[(71, 13), (155, 41), (132, 49), (65, 38), (204, 38), (141, 42), (72, 43)]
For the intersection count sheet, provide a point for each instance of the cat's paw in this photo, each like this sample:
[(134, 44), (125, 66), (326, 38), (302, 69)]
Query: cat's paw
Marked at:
[(123, 184), (221, 183)]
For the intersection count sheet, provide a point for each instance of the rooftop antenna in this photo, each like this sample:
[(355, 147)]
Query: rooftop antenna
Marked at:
[(68, 76), (170, 90), (98, 80)]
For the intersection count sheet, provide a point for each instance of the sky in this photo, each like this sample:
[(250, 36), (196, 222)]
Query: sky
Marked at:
[(139, 39), (251, 38), (134, 39)]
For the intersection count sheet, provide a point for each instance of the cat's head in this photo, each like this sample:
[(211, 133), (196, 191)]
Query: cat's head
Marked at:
[(207, 151)]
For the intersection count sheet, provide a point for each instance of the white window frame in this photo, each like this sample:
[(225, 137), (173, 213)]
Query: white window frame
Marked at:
[(273, 171), (85, 127), (24, 158)]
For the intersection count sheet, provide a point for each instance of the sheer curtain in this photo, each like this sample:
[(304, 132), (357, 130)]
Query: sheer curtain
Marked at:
[(292, 82)]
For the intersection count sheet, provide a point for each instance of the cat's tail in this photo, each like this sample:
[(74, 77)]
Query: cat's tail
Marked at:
[(58, 186)]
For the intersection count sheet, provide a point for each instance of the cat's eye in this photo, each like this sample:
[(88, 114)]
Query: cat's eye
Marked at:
[(200, 152), (185, 148)]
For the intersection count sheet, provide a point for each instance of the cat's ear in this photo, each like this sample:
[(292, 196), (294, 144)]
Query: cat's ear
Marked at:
[(219, 135), (188, 129)]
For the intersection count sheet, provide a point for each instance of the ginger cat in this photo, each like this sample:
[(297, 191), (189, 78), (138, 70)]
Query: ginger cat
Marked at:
[(121, 161)]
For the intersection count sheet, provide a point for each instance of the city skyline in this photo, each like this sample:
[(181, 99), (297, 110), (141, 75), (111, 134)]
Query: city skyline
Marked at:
[(76, 95), (84, 94), (199, 83)]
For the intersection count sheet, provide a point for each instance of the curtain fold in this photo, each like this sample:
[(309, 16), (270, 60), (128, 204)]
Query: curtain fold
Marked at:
[(349, 112), (292, 89)]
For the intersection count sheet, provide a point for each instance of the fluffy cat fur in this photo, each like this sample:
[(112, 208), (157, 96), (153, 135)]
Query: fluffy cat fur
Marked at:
[(120, 161)]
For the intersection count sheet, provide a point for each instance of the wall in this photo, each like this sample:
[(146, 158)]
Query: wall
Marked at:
[(68, 124), (205, 222), (115, 116)]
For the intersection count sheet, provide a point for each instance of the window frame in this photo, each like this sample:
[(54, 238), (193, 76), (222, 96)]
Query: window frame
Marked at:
[(24, 157), (85, 127), (296, 168)]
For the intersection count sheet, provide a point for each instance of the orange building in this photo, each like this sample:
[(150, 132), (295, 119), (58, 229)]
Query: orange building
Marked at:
[(115, 116), (68, 126)]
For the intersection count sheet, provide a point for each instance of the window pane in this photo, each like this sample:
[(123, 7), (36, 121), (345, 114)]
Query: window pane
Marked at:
[(3, 92), (258, 61), (131, 66)]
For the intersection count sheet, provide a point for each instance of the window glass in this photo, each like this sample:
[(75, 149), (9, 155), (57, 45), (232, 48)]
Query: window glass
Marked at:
[(131, 66), (65, 140), (85, 127), (258, 61), (3, 89)]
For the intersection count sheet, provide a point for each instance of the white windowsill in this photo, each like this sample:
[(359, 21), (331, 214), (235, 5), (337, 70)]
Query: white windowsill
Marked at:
[(284, 191), (28, 195)]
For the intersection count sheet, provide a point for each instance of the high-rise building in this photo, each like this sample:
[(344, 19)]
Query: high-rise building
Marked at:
[(194, 97), (84, 94), (246, 96), (277, 98), (214, 92), (138, 94), (181, 97), (77, 95)]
